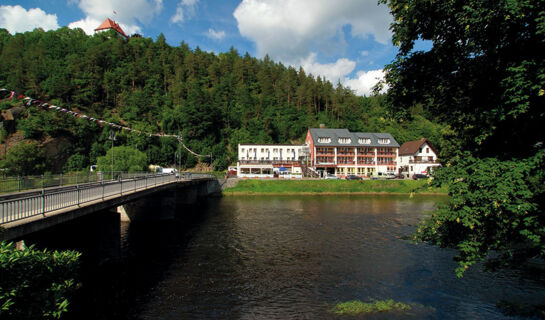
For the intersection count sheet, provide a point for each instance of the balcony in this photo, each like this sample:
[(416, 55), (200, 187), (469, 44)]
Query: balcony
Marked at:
[(366, 155), (423, 161), (370, 163), (271, 162), (346, 154), (387, 163), (386, 154)]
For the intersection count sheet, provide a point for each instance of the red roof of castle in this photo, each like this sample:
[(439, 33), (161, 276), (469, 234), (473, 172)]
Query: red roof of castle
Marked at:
[(110, 24)]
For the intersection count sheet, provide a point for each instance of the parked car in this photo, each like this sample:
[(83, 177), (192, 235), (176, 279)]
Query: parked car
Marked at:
[(352, 177), (331, 176), (390, 175), (420, 176)]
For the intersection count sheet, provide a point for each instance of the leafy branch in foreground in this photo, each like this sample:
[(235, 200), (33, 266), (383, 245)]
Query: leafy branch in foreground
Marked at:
[(36, 284), (494, 206)]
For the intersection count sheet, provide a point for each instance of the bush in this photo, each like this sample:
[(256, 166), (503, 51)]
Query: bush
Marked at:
[(124, 159), (36, 284), (25, 159)]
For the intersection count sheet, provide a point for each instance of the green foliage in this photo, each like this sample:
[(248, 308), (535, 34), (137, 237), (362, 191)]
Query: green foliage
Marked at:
[(484, 80), (494, 206), (25, 159), (484, 75), (36, 284), (356, 307), (124, 159), (76, 162)]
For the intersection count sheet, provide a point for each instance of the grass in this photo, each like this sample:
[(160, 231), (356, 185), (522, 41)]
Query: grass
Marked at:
[(254, 186), (356, 307)]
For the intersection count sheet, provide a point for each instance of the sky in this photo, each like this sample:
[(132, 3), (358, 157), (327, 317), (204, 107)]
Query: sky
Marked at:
[(346, 41)]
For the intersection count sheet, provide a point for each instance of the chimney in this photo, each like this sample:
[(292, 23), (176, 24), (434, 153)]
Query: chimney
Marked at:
[(322, 125)]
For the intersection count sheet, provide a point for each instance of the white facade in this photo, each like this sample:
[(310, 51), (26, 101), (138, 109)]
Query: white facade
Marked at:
[(421, 162), (270, 160)]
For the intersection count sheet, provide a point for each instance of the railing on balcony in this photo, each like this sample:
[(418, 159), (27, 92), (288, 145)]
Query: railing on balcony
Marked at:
[(272, 162), (319, 154), (423, 161), (386, 154), (386, 163)]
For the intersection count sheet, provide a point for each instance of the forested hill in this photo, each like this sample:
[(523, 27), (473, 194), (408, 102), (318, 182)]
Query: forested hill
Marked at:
[(215, 100)]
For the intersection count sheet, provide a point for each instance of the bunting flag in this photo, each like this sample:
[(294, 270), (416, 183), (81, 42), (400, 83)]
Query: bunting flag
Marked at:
[(28, 101)]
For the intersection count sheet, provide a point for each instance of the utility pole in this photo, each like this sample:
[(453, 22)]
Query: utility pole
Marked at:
[(179, 153), (112, 138)]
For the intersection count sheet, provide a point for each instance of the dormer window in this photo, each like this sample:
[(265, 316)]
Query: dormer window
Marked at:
[(384, 141), (364, 141), (345, 140), (324, 140)]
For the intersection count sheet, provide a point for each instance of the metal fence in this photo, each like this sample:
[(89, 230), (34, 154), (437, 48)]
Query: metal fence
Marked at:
[(15, 207), (19, 184)]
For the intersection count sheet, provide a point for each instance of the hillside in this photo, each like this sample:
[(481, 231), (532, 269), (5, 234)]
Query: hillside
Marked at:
[(214, 100)]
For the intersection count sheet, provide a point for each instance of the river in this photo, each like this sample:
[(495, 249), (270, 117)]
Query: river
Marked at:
[(287, 257)]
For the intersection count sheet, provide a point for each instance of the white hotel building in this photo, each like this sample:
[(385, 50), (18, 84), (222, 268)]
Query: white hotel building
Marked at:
[(270, 160)]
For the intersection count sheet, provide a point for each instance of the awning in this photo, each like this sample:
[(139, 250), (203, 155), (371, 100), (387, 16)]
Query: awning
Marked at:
[(282, 169)]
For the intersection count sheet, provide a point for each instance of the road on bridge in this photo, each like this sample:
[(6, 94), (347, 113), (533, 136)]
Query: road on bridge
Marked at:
[(28, 204)]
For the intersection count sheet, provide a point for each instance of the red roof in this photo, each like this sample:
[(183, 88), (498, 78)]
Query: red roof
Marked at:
[(411, 147), (110, 24)]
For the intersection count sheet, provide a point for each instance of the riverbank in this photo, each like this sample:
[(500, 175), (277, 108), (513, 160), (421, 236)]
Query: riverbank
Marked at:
[(332, 187)]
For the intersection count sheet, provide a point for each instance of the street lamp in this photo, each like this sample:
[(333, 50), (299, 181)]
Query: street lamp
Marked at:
[(112, 138)]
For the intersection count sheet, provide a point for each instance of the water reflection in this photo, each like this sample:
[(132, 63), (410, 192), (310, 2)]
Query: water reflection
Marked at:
[(279, 258), (295, 257)]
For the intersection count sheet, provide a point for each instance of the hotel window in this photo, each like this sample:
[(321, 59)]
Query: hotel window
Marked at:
[(364, 141), (262, 150), (384, 141), (324, 140), (345, 140), (427, 150)]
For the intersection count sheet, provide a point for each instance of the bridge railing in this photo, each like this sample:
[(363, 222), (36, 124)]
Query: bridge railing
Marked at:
[(41, 202), (23, 183)]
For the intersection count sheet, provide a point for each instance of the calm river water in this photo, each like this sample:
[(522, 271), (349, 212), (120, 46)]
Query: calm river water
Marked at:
[(290, 258)]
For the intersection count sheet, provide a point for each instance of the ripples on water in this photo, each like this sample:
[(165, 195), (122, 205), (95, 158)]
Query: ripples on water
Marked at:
[(295, 258)]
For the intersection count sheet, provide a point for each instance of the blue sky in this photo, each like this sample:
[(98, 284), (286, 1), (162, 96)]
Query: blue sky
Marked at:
[(343, 40)]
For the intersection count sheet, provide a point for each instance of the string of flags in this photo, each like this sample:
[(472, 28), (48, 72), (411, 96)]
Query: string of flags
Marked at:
[(28, 101)]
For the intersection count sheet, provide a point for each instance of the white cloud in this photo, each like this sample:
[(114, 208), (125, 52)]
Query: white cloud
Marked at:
[(333, 72), (128, 13), (217, 35), (184, 11), (364, 83), (290, 29), (17, 19)]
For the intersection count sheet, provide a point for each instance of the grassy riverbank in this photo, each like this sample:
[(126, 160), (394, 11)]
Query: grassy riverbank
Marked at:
[(286, 187)]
